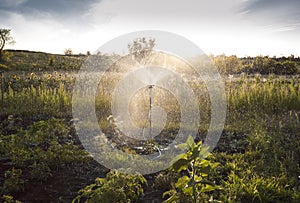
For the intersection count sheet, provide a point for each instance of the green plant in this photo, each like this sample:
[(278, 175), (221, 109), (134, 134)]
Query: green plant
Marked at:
[(9, 199), (249, 187), (3, 67), (116, 187), (13, 181), (164, 180), (195, 182), (41, 148), (43, 133), (40, 171)]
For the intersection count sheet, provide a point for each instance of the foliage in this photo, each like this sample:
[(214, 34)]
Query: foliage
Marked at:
[(116, 187), (197, 170), (22, 60), (276, 153), (260, 64), (40, 171), (6, 57), (265, 95), (3, 67), (68, 52), (49, 94), (9, 199), (42, 148), (164, 180), (13, 181), (140, 47), (247, 186), (258, 151), (44, 141), (227, 65)]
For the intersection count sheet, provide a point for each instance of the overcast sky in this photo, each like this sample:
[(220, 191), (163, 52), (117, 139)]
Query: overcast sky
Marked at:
[(240, 27)]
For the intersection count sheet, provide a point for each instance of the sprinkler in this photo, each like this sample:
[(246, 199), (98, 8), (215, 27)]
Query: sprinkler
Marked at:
[(150, 112), (150, 108), (150, 121)]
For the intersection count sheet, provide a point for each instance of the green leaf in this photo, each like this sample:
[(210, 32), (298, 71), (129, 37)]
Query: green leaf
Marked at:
[(183, 146), (196, 152), (190, 141), (180, 165), (214, 165), (188, 190), (209, 188), (197, 178), (205, 167), (204, 152), (182, 182)]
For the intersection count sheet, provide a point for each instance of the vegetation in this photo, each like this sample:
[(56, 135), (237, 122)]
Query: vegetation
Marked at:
[(140, 47), (264, 65), (22, 60), (192, 186), (68, 52), (256, 160), (116, 187)]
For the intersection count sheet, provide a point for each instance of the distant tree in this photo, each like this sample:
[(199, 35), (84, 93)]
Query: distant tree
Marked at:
[(68, 52), (140, 47), (291, 57), (88, 53), (258, 64), (279, 68), (5, 38), (289, 67), (268, 66), (227, 64), (247, 64)]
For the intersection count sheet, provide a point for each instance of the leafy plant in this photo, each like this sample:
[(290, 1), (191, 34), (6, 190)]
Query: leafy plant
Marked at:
[(42, 147), (196, 170), (164, 180), (13, 181), (40, 171), (116, 187), (9, 199), (249, 187)]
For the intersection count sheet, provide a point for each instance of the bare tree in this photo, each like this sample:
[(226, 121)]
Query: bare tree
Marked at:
[(5, 38)]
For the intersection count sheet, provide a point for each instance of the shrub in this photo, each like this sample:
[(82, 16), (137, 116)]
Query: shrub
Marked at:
[(249, 187), (116, 187), (40, 171), (9, 199), (13, 181)]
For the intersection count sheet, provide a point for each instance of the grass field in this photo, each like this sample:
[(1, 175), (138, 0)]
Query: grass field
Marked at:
[(42, 159)]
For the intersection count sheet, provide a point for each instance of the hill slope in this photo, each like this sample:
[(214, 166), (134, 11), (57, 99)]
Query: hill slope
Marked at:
[(23, 60)]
